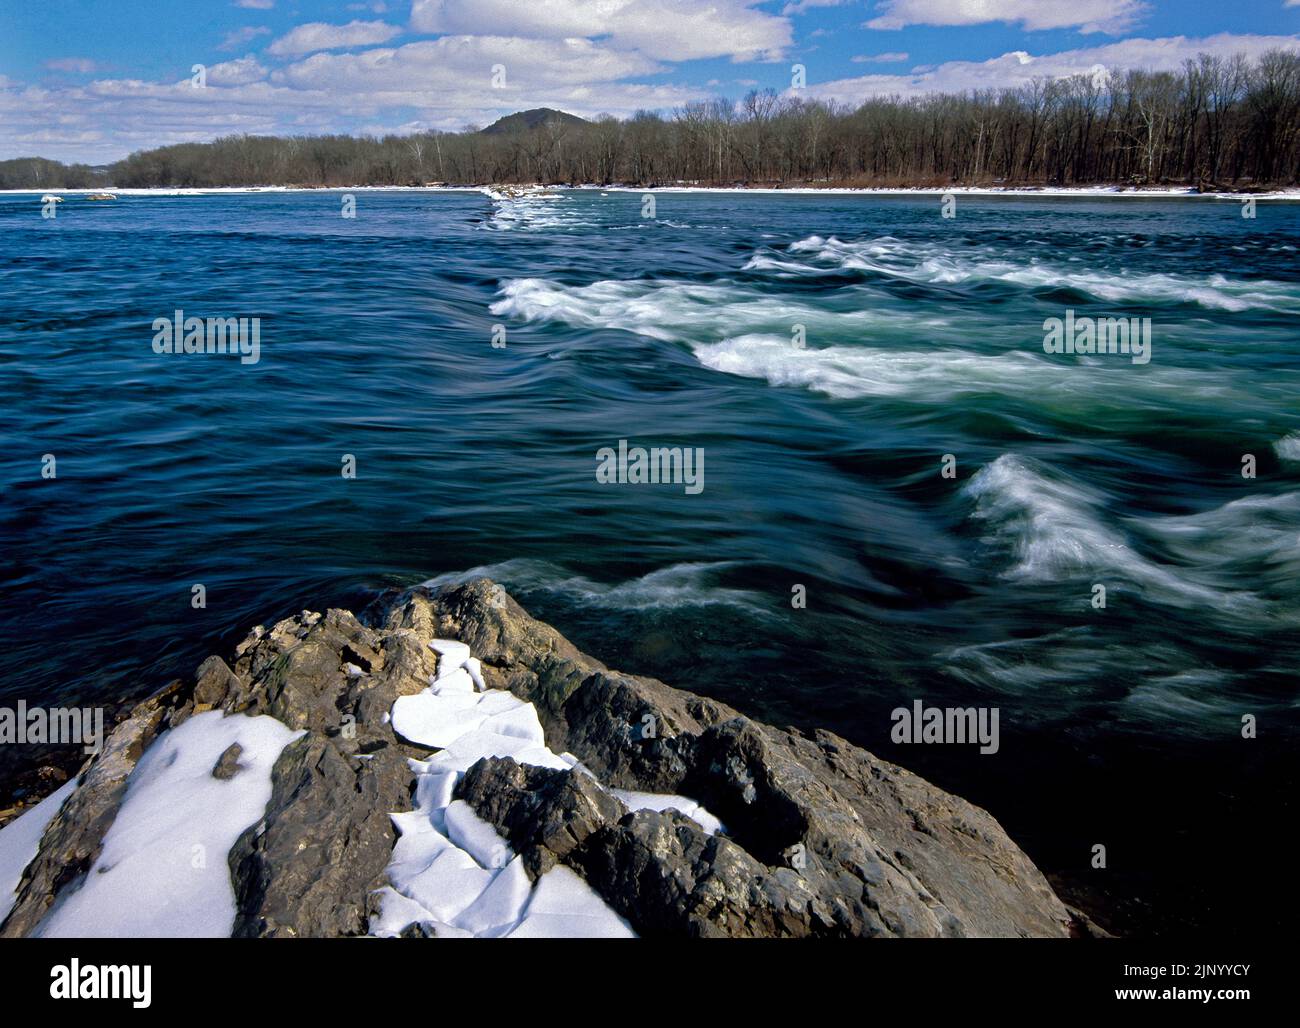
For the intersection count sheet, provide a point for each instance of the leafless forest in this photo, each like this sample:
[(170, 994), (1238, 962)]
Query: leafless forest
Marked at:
[(1219, 122)]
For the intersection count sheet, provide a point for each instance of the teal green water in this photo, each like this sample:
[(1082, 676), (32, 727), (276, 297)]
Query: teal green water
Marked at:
[(825, 353)]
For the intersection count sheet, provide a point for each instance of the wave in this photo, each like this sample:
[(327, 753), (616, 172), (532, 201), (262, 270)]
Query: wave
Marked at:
[(531, 211), (675, 587), (931, 376), (1077, 667), (1257, 536), (734, 329), (696, 311), (1288, 448), (700, 313), (1056, 530), (935, 264)]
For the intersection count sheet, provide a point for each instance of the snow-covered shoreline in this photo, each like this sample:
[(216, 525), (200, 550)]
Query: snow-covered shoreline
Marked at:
[(1052, 192)]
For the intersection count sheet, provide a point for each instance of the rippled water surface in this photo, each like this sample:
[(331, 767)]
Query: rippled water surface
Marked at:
[(922, 337)]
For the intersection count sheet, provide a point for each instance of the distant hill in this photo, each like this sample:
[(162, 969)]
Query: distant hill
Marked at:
[(525, 120)]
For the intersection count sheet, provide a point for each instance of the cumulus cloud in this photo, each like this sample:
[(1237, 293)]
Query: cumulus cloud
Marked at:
[(236, 73), (666, 30), (1109, 16), (464, 64), (1020, 67), (442, 84), (318, 35)]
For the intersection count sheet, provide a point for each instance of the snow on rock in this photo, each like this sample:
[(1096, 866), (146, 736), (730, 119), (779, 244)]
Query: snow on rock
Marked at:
[(450, 884), (431, 719), (21, 838), (564, 906), (475, 836), (451, 872), (501, 905), (396, 912), (451, 655), (162, 871), (453, 682), (662, 801), (472, 747)]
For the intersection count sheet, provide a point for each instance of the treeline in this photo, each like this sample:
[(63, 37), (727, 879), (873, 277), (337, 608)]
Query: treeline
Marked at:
[(38, 173), (1226, 122)]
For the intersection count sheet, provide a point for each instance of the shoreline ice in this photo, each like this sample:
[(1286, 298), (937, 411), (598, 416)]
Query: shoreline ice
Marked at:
[(494, 191)]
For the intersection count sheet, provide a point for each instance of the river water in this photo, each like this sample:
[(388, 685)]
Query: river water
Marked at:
[(828, 357)]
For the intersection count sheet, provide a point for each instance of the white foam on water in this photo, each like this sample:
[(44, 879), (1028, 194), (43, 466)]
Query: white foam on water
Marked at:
[(162, 871), (21, 838), (1259, 533), (673, 587), (531, 209), (450, 870), (853, 372), (935, 264), (1194, 700), (700, 311), (1056, 385), (1288, 448), (739, 329), (1056, 530), (1064, 672)]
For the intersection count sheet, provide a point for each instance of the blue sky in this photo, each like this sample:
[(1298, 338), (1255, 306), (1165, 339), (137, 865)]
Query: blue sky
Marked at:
[(94, 80)]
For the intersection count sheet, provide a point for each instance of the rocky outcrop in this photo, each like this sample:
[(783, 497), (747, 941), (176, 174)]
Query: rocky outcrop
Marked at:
[(822, 838)]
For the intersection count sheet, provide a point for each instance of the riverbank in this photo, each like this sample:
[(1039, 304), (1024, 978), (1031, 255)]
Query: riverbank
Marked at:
[(1080, 192)]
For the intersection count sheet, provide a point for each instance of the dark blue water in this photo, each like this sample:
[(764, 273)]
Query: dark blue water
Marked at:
[(921, 337)]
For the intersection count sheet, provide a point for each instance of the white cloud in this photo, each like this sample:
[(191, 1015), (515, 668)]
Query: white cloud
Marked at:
[(255, 5), (235, 73), (1110, 16), (892, 57), (317, 35), (803, 6), (76, 65), (463, 65), (1020, 67), (666, 30), (242, 37), (432, 84)]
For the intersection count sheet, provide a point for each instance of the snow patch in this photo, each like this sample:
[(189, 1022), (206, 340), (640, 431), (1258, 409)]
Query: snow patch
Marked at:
[(21, 838), (451, 872), (163, 872)]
